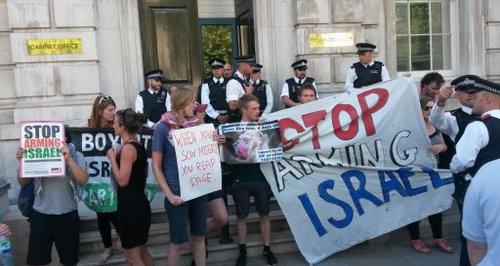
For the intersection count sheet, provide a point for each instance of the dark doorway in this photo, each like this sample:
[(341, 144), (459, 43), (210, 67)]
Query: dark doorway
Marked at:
[(170, 40), (244, 20)]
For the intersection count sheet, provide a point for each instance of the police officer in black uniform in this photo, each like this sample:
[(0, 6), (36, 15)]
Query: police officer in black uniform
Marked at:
[(262, 90), (213, 93), (365, 72), (155, 100), (290, 90)]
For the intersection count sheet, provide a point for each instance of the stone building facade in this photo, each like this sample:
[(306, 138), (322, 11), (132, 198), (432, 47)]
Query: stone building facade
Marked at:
[(111, 62)]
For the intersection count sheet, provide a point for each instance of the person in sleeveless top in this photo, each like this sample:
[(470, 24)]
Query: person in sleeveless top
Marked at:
[(129, 166), (367, 71), (435, 220)]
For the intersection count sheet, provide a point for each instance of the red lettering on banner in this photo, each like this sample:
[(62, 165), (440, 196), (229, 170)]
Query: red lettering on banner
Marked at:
[(312, 120), (366, 112), (203, 179)]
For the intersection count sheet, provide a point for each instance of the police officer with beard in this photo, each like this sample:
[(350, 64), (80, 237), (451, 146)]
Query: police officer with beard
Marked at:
[(155, 100)]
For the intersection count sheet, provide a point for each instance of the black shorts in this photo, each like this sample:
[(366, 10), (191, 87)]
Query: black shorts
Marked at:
[(63, 230), (242, 192), (215, 195)]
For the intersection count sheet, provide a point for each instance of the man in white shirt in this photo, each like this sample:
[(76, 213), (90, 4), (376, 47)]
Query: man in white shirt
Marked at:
[(262, 90), (238, 85), (481, 221), (365, 72), (213, 93), (290, 90), (155, 100)]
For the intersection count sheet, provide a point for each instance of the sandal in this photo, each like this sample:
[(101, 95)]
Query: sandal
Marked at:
[(419, 246), (443, 245), (105, 255)]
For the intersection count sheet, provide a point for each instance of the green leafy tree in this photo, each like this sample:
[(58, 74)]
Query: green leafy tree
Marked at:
[(217, 43)]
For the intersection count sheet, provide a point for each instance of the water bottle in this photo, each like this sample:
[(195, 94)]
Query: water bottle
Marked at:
[(5, 251)]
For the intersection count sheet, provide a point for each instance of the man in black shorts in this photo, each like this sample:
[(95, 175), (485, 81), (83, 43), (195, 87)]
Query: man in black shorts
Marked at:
[(250, 181)]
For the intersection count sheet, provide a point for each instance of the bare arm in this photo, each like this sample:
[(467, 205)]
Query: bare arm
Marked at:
[(476, 251), (80, 174), (128, 155), (288, 102), (160, 179)]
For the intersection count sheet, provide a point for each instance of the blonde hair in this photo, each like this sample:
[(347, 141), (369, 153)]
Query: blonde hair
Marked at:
[(180, 98), (101, 102)]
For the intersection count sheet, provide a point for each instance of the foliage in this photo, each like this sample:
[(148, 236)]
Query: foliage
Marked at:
[(217, 43)]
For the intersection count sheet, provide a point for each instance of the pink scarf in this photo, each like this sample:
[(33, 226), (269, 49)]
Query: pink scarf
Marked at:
[(169, 118)]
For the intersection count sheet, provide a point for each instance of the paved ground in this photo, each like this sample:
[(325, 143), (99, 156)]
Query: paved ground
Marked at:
[(394, 252)]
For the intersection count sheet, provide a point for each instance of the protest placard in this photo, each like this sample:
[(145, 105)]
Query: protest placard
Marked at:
[(41, 142), (198, 161), (100, 191), (248, 142), (355, 166)]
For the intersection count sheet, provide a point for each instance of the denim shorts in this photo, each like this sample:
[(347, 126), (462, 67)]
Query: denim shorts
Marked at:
[(195, 211)]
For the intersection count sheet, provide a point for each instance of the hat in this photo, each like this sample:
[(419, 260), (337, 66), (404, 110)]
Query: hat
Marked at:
[(465, 82), (300, 64), (365, 47), (154, 74), (216, 63), (257, 67), (486, 85), (244, 58)]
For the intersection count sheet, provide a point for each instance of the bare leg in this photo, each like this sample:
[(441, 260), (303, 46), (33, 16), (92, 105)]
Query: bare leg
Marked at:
[(173, 254), (265, 229), (133, 256), (198, 247), (146, 257), (219, 213), (241, 227)]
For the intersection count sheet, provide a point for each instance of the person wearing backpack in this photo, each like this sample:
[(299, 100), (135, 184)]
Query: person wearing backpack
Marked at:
[(54, 219)]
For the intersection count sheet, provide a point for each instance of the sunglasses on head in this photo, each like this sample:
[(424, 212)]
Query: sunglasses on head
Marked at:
[(104, 98)]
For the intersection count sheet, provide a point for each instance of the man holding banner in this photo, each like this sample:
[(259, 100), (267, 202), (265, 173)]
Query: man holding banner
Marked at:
[(249, 181)]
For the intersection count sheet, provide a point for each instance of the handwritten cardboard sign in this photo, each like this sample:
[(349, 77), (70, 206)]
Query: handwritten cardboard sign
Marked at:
[(197, 161), (41, 142)]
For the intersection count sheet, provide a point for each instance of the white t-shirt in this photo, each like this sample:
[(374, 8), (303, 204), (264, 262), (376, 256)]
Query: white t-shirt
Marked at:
[(481, 216)]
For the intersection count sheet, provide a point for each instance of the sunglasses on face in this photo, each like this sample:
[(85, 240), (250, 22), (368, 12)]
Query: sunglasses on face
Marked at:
[(427, 108), (104, 98)]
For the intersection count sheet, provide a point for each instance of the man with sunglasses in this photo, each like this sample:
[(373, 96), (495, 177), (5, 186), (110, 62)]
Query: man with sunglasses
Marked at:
[(453, 124), (238, 85), (155, 100), (290, 90), (262, 90)]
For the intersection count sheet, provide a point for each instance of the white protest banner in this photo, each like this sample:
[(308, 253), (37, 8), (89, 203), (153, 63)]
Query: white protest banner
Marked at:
[(355, 166), (100, 191), (251, 142), (198, 161), (41, 142)]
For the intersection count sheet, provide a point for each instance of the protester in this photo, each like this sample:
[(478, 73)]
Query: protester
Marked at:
[(307, 93), (481, 222), (430, 84), (367, 71), (130, 168), (55, 210), (435, 220), (249, 181), (453, 124), (290, 89), (179, 213), (101, 116), (154, 101), (262, 90)]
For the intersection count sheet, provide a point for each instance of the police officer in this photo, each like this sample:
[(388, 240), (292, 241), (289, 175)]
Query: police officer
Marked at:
[(155, 100), (238, 85), (453, 124), (213, 93), (365, 72), (480, 141), (262, 90), (289, 91)]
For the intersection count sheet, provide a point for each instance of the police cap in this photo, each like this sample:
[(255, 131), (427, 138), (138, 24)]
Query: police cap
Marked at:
[(300, 64), (216, 63), (365, 47)]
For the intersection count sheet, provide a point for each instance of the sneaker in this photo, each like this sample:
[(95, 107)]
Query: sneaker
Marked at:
[(105, 255), (242, 260), (270, 258)]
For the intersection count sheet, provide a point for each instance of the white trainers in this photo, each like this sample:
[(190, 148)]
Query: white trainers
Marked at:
[(105, 255)]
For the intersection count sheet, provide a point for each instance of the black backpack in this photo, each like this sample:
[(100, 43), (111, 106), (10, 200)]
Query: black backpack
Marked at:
[(26, 199)]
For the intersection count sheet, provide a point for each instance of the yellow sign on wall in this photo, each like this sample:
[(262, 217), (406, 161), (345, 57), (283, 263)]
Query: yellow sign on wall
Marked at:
[(321, 40), (55, 46)]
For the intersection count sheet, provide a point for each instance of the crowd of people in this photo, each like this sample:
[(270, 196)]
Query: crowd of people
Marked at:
[(244, 97)]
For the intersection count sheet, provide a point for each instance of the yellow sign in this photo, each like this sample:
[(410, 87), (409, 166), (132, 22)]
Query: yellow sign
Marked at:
[(321, 40), (55, 46)]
